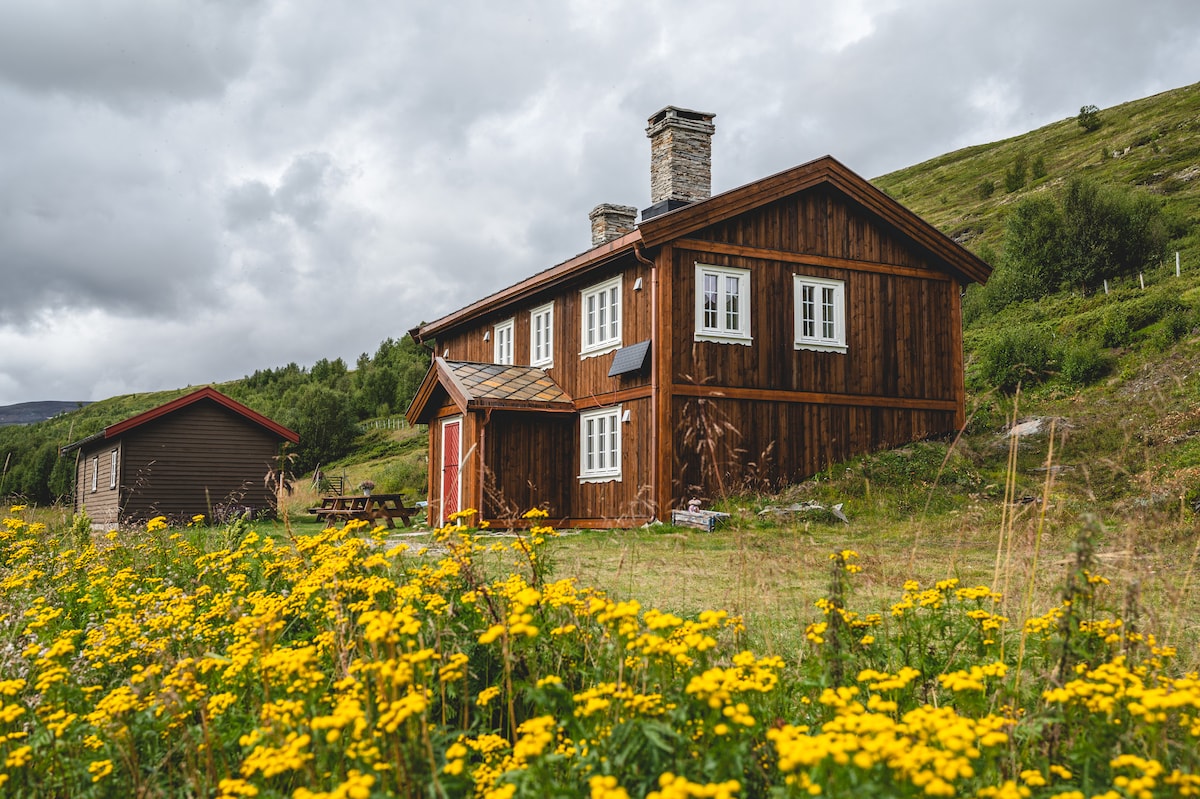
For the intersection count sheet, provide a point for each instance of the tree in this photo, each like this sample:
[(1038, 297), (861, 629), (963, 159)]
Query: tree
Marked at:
[(1014, 178), (323, 419), (1089, 118), (1086, 235)]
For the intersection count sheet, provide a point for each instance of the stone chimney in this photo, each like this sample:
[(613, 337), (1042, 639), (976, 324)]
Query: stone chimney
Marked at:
[(680, 159), (611, 221)]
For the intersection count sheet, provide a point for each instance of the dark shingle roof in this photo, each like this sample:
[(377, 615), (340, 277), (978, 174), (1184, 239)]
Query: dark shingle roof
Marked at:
[(493, 384)]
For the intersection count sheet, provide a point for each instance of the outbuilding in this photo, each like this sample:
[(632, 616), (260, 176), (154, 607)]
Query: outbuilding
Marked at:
[(202, 453)]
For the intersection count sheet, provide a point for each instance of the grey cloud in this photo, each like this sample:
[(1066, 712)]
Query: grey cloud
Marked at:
[(124, 53), (248, 204), (303, 191)]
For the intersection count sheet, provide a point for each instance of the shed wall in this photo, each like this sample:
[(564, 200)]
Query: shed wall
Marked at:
[(194, 461)]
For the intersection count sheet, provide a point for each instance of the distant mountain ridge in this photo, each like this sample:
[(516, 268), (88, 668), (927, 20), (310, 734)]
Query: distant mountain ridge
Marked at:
[(30, 412)]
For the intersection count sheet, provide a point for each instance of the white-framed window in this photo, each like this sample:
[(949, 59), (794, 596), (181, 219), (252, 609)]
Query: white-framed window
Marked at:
[(541, 336), (502, 340), (112, 469), (600, 445), (601, 318), (820, 314), (95, 473), (722, 304)]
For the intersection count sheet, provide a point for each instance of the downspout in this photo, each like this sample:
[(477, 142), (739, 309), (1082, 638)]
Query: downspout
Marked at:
[(654, 347)]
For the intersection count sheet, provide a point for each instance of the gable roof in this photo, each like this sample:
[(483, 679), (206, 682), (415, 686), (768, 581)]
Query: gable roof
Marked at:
[(206, 393), (958, 260), (658, 230), (476, 386)]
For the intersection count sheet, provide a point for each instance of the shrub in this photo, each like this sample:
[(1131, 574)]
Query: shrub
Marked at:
[(1083, 363), (1174, 325), (1018, 355)]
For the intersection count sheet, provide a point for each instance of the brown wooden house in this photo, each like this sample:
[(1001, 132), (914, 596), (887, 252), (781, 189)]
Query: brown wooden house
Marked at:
[(751, 338), (202, 453)]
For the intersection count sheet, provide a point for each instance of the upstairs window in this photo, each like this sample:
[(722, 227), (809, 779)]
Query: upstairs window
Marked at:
[(601, 318), (541, 336), (502, 336), (600, 445), (722, 304), (820, 314)]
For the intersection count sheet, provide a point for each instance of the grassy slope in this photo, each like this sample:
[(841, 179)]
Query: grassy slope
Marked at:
[(1162, 134)]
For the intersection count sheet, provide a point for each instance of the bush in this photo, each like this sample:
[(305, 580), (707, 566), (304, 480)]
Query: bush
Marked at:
[(1083, 363), (1174, 325), (1020, 355)]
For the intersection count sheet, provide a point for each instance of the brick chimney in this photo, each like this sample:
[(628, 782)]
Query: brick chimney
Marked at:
[(680, 159), (611, 221)]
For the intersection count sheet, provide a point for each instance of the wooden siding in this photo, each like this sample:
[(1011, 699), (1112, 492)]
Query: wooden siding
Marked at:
[(579, 377), (623, 502), (530, 459), (103, 505), (194, 460), (761, 445), (775, 414)]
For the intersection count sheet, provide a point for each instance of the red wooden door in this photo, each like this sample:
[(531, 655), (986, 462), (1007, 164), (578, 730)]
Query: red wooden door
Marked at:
[(451, 467)]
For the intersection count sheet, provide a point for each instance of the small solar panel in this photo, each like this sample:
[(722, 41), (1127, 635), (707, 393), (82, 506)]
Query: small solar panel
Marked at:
[(633, 358)]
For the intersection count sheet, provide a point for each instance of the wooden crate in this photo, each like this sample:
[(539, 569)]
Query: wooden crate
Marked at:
[(700, 519)]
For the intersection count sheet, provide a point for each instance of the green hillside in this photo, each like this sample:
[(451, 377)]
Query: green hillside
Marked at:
[(1152, 144)]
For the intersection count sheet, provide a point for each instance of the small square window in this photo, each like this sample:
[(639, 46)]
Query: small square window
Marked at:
[(502, 343), (722, 304), (600, 445), (601, 330), (820, 314), (541, 336)]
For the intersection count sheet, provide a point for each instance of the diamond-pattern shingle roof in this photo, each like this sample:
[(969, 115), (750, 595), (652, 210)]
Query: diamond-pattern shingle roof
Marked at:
[(500, 385)]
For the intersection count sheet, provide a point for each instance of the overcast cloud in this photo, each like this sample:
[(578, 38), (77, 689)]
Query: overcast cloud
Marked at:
[(190, 191)]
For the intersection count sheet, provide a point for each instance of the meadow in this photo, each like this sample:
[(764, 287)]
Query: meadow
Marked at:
[(1003, 649)]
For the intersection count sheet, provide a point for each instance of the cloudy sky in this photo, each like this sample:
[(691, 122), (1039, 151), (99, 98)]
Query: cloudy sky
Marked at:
[(192, 190)]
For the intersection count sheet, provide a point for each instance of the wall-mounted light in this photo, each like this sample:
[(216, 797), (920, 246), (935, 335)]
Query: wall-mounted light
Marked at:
[(625, 415), (487, 335), (637, 284), (445, 353)]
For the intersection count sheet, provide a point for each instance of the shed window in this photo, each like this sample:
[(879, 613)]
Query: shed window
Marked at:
[(541, 336), (600, 445), (601, 318), (504, 342), (722, 304), (820, 314), (112, 469), (95, 472)]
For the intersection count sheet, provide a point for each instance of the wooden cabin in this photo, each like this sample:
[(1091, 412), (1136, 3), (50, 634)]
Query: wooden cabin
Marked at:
[(747, 339), (202, 453)]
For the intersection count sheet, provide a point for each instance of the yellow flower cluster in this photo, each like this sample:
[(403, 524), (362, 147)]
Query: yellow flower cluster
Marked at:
[(330, 666)]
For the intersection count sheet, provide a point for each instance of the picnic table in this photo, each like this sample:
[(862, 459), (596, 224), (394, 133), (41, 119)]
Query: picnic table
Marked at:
[(368, 507)]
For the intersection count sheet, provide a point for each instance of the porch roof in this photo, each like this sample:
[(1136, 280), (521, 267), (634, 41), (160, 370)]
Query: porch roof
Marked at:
[(477, 386)]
